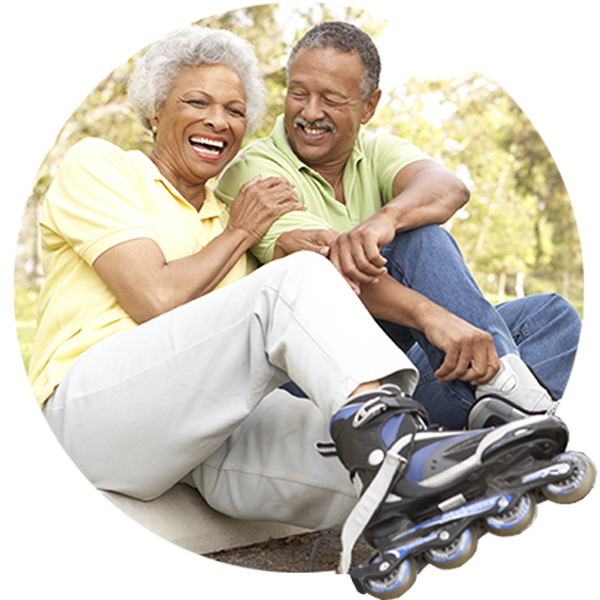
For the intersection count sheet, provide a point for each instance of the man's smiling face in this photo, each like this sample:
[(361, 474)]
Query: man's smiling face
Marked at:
[(323, 106)]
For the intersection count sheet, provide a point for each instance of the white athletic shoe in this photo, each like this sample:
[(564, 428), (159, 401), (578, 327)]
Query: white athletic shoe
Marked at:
[(514, 393)]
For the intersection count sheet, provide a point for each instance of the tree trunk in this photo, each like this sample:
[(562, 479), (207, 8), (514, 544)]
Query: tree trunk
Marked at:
[(519, 286), (501, 287)]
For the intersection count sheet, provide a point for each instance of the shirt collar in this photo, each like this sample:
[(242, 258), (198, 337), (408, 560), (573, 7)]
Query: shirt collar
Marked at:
[(210, 209)]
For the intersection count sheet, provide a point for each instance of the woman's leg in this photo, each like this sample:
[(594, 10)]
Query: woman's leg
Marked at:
[(291, 482), (142, 409)]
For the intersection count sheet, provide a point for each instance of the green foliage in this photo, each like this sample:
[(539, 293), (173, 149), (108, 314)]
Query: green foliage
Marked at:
[(26, 335), (519, 220)]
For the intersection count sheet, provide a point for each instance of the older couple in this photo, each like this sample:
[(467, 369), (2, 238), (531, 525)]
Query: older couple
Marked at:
[(162, 346)]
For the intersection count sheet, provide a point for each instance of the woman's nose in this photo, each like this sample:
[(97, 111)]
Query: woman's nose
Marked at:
[(216, 118)]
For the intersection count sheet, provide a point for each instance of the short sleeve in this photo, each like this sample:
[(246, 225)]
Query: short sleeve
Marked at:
[(96, 201), (244, 169), (389, 155)]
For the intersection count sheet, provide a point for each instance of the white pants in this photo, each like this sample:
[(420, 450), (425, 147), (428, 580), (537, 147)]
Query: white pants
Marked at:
[(188, 395)]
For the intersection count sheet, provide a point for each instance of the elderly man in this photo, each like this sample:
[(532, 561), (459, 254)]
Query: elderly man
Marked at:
[(375, 203)]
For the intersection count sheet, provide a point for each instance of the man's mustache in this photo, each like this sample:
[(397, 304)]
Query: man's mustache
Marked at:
[(318, 124)]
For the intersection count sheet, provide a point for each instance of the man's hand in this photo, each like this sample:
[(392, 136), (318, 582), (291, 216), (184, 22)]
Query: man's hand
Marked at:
[(314, 240), (470, 352), (357, 253)]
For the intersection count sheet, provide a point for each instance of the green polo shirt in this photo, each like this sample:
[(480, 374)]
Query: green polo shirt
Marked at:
[(368, 181)]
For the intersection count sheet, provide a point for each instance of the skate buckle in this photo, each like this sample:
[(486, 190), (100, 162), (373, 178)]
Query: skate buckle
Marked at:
[(367, 411)]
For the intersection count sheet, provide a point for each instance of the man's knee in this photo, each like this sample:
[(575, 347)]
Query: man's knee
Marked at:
[(556, 307), (428, 237)]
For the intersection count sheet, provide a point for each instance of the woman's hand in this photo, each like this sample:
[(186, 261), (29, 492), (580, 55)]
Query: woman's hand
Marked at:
[(147, 285), (259, 204), (314, 240)]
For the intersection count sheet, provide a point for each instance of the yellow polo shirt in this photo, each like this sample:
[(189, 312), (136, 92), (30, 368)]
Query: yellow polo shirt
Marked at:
[(103, 196)]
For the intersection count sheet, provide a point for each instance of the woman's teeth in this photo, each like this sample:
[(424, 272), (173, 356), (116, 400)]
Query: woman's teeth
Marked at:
[(209, 145)]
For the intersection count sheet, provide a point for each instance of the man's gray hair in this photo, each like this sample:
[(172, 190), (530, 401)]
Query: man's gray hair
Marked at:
[(156, 72), (344, 37)]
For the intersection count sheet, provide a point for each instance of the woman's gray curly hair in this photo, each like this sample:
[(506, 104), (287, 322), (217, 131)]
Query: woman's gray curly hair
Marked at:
[(157, 70)]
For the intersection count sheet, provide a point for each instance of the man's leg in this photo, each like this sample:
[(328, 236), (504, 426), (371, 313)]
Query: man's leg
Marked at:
[(544, 330), (429, 261)]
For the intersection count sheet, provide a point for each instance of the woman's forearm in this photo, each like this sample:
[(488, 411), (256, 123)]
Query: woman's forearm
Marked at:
[(147, 285)]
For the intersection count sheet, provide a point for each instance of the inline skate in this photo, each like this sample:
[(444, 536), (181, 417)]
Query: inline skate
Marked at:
[(427, 494)]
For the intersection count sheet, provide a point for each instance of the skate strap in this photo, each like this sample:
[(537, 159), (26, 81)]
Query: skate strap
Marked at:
[(368, 503)]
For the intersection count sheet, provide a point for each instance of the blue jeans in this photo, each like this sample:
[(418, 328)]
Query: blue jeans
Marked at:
[(542, 329)]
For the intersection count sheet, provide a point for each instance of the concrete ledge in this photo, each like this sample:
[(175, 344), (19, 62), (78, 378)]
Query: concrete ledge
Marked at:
[(182, 517)]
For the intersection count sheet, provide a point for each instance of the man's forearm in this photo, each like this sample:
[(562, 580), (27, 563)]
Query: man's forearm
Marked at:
[(469, 352), (389, 300), (430, 196)]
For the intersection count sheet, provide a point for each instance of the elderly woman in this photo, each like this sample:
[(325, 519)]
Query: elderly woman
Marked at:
[(159, 344), (161, 350)]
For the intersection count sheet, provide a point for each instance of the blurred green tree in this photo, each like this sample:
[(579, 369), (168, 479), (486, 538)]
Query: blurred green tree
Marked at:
[(518, 230)]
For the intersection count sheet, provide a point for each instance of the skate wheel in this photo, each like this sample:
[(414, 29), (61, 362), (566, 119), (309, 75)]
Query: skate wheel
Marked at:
[(577, 485), (453, 555), (515, 520), (399, 581)]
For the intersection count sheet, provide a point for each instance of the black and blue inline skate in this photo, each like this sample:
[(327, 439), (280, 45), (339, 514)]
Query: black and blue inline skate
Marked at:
[(429, 494)]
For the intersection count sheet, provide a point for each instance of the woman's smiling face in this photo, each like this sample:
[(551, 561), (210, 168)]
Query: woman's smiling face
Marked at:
[(200, 126)]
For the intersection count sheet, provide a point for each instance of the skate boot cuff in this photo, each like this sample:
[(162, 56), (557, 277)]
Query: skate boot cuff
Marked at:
[(515, 392), (387, 397)]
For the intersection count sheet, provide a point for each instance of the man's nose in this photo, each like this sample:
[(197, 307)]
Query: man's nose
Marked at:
[(313, 109)]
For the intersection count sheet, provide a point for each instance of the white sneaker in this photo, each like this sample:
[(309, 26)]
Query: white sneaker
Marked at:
[(514, 393)]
